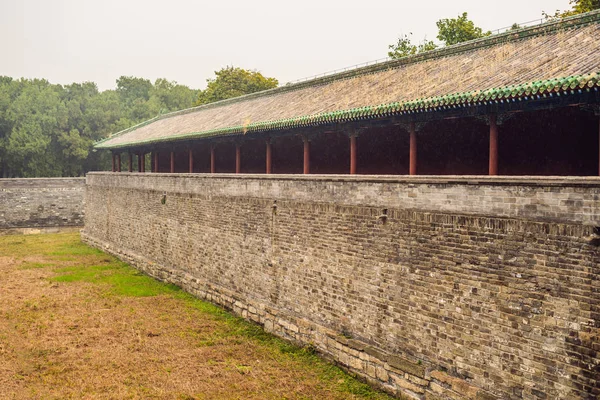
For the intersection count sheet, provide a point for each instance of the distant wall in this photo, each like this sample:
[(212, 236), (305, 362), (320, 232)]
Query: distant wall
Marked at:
[(435, 287), (40, 204)]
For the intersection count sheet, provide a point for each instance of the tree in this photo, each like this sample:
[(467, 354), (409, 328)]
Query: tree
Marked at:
[(49, 130), (172, 96), (233, 82), (404, 47), (457, 30), (577, 7)]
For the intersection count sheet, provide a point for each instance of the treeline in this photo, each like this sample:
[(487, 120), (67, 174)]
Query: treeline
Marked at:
[(49, 130)]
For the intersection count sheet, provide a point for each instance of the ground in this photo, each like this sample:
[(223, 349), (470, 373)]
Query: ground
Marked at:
[(77, 323)]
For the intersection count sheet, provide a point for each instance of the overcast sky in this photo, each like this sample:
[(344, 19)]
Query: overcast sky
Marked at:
[(69, 41)]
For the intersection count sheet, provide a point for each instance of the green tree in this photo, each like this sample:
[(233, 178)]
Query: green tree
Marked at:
[(577, 7), (457, 30), (172, 96), (37, 117), (233, 82), (404, 47)]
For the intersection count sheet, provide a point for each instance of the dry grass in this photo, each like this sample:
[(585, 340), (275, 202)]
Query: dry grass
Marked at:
[(77, 323)]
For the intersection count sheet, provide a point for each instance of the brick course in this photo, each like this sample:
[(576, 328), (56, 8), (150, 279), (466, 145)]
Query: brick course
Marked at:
[(40, 203), (432, 287)]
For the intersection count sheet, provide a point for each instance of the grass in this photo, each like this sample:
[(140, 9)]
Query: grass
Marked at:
[(75, 322)]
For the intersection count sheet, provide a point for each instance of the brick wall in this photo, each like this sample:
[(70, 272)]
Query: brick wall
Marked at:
[(461, 288), (40, 204)]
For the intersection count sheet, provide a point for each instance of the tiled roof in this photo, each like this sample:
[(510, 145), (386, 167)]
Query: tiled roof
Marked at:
[(545, 60)]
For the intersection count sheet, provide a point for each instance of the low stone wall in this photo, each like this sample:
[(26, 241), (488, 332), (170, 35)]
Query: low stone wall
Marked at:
[(435, 287), (41, 204)]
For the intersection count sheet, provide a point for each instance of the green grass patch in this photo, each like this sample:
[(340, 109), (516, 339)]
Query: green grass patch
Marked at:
[(75, 249), (121, 279), (35, 265)]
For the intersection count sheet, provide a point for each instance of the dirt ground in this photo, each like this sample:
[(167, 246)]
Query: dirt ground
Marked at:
[(76, 323)]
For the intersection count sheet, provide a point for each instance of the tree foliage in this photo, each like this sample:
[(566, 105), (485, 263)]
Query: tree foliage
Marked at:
[(457, 30), (49, 130), (233, 82), (577, 7), (450, 31), (404, 47)]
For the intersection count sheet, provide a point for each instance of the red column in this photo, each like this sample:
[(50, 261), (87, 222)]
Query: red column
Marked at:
[(114, 169), (238, 158), (212, 159), (130, 162), (269, 156), (156, 161), (172, 162), (139, 162), (493, 170), (413, 150), (306, 155), (191, 160), (599, 142), (143, 162), (353, 154), (119, 162)]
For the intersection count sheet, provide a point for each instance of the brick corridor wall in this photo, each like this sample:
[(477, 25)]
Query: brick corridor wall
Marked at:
[(432, 287), (41, 203)]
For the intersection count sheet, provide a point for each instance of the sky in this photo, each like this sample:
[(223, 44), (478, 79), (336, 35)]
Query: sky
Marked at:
[(67, 41)]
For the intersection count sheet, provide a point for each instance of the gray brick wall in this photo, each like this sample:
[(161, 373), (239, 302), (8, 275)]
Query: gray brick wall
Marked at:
[(41, 203), (433, 287)]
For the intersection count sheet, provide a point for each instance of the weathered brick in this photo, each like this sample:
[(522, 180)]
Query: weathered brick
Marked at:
[(41, 204), (503, 297)]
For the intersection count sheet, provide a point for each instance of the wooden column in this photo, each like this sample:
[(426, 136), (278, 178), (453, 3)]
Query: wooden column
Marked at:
[(598, 141), (172, 162), (412, 169), (353, 154), (191, 160), (130, 162), (156, 161), (493, 170), (306, 155), (238, 158), (269, 156), (212, 159), (143, 162), (114, 168), (119, 162)]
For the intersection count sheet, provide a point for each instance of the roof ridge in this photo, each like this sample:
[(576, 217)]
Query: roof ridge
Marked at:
[(501, 38)]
